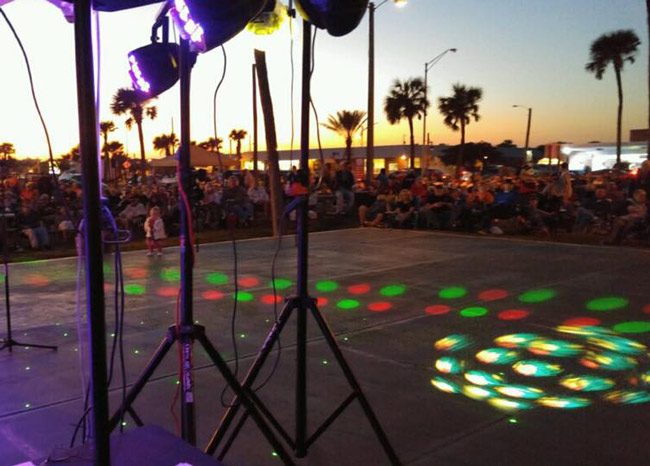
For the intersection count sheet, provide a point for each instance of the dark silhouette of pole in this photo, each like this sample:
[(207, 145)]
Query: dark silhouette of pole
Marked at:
[(92, 231), (370, 147), (255, 153)]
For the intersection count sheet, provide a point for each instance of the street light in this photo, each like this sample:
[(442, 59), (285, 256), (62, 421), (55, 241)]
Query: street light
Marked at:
[(530, 114), (370, 155), (427, 66)]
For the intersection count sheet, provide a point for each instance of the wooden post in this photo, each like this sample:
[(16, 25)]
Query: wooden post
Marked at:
[(271, 140)]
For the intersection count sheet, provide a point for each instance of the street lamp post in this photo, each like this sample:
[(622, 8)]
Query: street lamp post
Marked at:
[(427, 66), (530, 114), (370, 150)]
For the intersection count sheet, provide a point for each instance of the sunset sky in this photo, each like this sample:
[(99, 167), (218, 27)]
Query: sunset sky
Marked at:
[(531, 53)]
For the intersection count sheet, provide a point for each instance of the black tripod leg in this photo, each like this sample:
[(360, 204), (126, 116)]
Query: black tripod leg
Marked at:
[(244, 398), (349, 375), (264, 352), (152, 365), (29, 345)]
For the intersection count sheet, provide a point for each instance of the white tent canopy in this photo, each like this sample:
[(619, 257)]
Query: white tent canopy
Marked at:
[(199, 157)]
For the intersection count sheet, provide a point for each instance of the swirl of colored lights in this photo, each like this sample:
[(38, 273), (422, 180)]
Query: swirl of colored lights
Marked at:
[(574, 368)]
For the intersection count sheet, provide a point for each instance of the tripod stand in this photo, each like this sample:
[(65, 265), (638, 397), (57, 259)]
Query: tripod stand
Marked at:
[(8, 342), (186, 331), (302, 304)]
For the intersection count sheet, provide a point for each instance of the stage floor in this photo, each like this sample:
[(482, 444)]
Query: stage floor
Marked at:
[(543, 397)]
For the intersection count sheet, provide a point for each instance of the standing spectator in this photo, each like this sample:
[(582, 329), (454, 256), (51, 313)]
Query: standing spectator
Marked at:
[(154, 231), (235, 201), (259, 197), (344, 194)]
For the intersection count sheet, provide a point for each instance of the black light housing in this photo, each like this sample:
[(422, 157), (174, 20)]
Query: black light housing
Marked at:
[(338, 17), (117, 5), (207, 24), (154, 68)]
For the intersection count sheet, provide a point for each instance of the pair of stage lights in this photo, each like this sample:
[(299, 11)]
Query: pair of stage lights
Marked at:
[(207, 24)]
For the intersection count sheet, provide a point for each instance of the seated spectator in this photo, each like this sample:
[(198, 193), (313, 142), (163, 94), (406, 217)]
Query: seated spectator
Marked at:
[(133, 215), (402, 212), (32, 226), (636, 214), (436, 211), (235, 201), (535, 220), (592, 209), (259, 197), (373, 216)]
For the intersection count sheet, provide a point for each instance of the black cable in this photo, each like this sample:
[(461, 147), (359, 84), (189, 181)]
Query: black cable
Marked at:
[(214, 100), (57, 188), (293, 129), (313, 107)]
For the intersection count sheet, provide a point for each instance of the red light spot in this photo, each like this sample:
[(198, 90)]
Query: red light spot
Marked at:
[(167, 291), (589, 363), (513, 314), (492, 295), (108, 287), (212, 295), (271, 299), (320, 302), (37, 279), (138, 272), (646, 308), (379, 306), (582, 322), (361, 288), (248, 282), (437, 309)]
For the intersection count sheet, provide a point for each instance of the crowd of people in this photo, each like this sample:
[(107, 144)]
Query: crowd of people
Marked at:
[(42, 213)]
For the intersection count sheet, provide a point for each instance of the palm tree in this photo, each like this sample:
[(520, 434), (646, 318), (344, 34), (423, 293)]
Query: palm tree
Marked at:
[(129, 101), (106, 127), (214, 145), (616, 48), (237, 135), (458, 110), (115, 151), (346, 124), (165, 143), (406, 99), (6, 149)]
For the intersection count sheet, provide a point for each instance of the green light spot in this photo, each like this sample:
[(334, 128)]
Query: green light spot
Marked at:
[(274, 454), (537, 296), (134, 289), (618, 344), (65, 334), (563, 403), (216, 278), (586, 383), (520, 392), (509, 405), (107, 269), (28, 405), (515, 340), (242, 335), (473, 312), (2, 277), (243, 296), (607, 303), (536, 368), (632, 327), (512, 420), (124, 423), (497, 356), (281, 283), (452, 292), (325, 362), (170, 274), (628, 397), (483, 378), (554, 348), (453, 342), (445, 385), (608, 360), (449, 365), (393, 290), (347, 304), (326, 286), (136, 351)]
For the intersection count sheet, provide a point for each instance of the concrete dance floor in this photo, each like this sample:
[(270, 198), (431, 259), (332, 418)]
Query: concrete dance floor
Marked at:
[(471, 350)]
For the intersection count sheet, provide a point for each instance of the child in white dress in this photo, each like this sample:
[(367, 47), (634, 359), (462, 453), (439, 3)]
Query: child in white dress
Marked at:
[(154, 229)]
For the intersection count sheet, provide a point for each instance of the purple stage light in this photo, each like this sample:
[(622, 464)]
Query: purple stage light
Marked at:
[(154, 68), (189, 28)]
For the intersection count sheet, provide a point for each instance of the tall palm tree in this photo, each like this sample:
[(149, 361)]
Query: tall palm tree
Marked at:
[(106, 127), (6, 149), (214, 145), (406, 99), (115, 151), (458, 110), (616, 48), (237, 135), (165, 143), (129, 101), (346, 124)]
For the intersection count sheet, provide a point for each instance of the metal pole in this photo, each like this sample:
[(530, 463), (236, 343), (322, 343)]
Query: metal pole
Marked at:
[(188, 422), (92, 228), (255, 154), (370, 150), (424, 119), (530, 113), (302, 253)]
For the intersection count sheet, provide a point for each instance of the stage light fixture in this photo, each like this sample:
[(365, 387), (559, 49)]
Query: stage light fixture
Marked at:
[(338, 17), (269, 20), (117, 5), (207, 24), (154, 68)]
